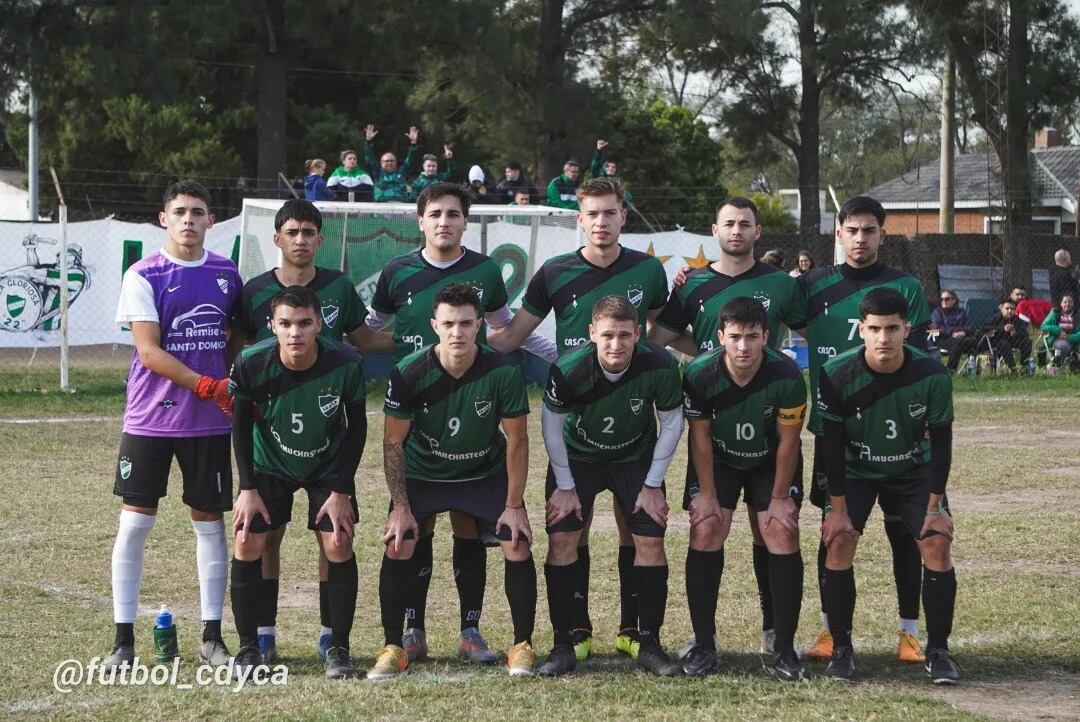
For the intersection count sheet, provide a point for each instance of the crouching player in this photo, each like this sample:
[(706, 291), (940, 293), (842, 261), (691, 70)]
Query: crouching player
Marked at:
[(746, 404), (879, 403), (599, 424), (443, 451), (299, 423)]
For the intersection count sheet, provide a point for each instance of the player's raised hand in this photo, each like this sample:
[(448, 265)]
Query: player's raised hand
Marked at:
[(339, 510), (414, 134), (398, 524), (248, 506), (516, 520), (703, 506), (651, 500), (370, 132), (835, 524), (680, 276), (941, 523), (783, 512), (563, 503), (448, 151)]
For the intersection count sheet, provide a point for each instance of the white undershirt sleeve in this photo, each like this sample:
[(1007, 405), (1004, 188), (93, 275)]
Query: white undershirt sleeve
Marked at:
[(499, 317), (377, 321), (552, 424), (671, 427), (541, 346), (136, 300)]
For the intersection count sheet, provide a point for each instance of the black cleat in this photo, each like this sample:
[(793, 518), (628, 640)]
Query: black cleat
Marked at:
[(339, 664), (247, 658), (653, 658), (842, 665), (786, 666), (561, 660), (940, 667), (120, 655), (700, 662)]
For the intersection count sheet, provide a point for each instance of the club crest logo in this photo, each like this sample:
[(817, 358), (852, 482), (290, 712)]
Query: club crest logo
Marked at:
[(328, 404), (762, 298), (330, 314), (479, 288), (636, 405), (768, 411), (223, 282), (30, 293), (635, 294), (125, 467), (483, 407), (917, 410)]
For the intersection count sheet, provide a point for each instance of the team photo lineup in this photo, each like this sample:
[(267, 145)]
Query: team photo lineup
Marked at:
[(277, 385)]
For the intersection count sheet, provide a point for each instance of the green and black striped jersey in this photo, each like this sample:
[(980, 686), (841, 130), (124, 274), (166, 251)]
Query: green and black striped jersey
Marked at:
[(571, 286), (698, 302), (408, 286), (828, 306), (300, 416), (455, 434), (341, 307), (612, 421), (886, 416), (744, 418)]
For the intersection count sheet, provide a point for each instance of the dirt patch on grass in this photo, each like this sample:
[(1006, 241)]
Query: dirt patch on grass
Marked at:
[(1054, 697), (1005, 502)]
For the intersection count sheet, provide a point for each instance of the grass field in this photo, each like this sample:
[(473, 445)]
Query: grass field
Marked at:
[(1015, 493)]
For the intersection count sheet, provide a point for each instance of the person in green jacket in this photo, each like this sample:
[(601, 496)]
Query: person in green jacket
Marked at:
[(562, 190), (602, 167), (391, 184), (349, 177), (1062, 328), (429, 172)]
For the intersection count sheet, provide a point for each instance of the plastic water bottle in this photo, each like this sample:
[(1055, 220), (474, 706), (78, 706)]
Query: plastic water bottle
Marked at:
[(166, 645), (971, 366), (1031, 366)]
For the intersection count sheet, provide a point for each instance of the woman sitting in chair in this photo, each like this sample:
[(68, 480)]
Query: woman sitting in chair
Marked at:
[(1062, 328), (954, 330)]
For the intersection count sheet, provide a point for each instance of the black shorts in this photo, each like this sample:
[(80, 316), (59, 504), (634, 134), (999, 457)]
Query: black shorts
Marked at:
[(624, 480), (819, 485), (277, 494), (908, 498), (755, 485), (142, 470), (482, 499)]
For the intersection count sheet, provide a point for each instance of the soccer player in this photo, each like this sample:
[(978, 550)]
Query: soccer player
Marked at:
[(179, 304), (696, 302), (442, 450), (298, 234), (405, 291), (827, 315), (600, 428), (299, 423), (879, 403), (745, 403), (571, 284)]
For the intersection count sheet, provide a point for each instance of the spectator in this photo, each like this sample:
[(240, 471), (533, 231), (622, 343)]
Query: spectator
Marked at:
[(314, 186), (429, 172), (955, 331), (603, 167), (349, 178), (1018, 294), (775, 257), (803, 263), (1061, 278), (521, 198), (1062, 328), (1008, 333), (562, 190), (390, 180), (514, 183), (480, 191)]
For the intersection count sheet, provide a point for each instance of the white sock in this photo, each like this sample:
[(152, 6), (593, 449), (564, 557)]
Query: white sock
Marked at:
[(911, 626), (825, 621), (323, 631), (267, 630), (212, 557), (127, 563)]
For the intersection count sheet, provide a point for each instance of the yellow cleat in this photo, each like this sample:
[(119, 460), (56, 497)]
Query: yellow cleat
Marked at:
[(391, 662), (520, 660), (909, 649), (627, 643), (822, 648)]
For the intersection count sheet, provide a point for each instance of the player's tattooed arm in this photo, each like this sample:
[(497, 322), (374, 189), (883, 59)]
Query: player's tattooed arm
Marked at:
[(400, 522)]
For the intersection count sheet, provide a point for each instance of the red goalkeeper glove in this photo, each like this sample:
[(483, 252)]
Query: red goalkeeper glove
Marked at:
[(217, 390)]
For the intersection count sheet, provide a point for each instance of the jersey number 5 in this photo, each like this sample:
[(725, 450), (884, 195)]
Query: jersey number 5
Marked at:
[(297, 423)]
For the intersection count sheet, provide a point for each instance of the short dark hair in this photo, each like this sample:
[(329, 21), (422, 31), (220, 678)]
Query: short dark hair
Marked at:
[(598, 187), (859, 205), (738, 202), (430, 156), (883, 301), (295, 297), (298, 209), (457, 295), (745, 311), (617, 308), (187, 187), (435, 191), (571, 163), (514, 165)]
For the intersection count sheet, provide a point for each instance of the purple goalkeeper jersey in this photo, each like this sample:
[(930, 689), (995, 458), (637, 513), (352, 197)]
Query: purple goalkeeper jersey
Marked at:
[(192, 302)]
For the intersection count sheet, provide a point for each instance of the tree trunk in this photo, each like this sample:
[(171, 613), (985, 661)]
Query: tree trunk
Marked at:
[(550, 74), (1018, 186), (809, 125), (271, 102)]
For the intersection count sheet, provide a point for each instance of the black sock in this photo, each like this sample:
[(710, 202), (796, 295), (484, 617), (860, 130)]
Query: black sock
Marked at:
[(822, 553), (414, 594), (520, 585), (125, 634), (268, 598), (839, 594), (786, 580), (939, 600), (394, 575), (628, 595), (211, 630), (324, 605), (764, 591), (560, 593), (246, 579), (703, 573), (470, 575), (652, 602), (342, 586), (907, 567), (581, 591)]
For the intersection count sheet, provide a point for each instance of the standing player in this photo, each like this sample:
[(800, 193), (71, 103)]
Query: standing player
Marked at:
[(299, 423), (599, 424), (878, 403), (571, 284), (298, 233), (697, 303), (746, 403), (405, 291), (442, 450), (178, 303), (828, 308)]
